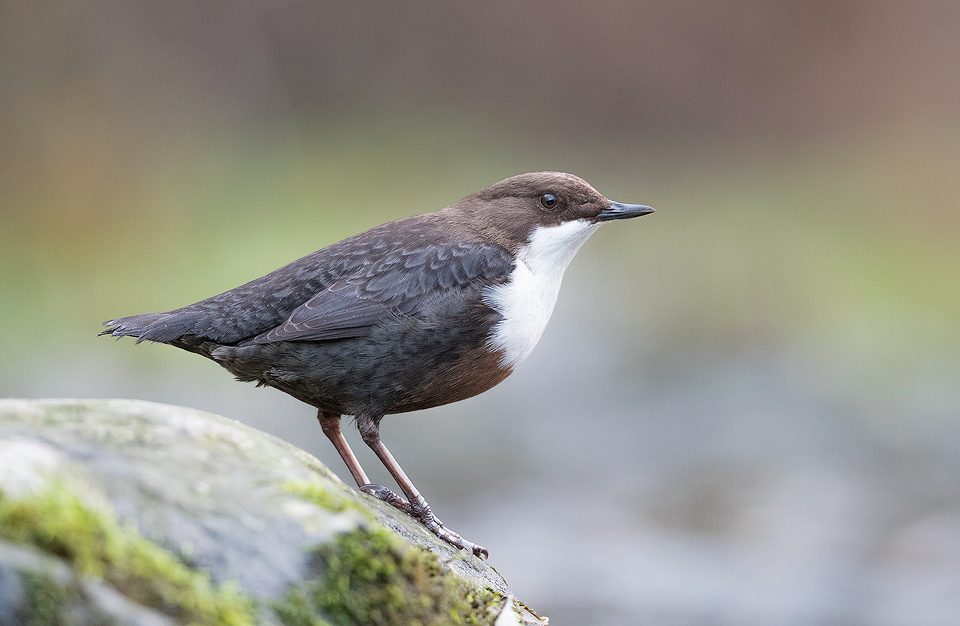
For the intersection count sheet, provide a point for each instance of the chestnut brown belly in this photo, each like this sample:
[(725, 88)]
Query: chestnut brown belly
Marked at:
[(405, 365)]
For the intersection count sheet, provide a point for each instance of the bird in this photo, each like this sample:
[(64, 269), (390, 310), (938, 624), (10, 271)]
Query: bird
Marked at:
[(412, 314)]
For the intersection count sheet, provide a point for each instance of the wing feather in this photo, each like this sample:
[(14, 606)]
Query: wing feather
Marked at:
[(402, 283)]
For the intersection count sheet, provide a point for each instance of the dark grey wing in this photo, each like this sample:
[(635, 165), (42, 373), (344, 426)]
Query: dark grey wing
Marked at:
[(335, 313), (252, 309), (403, 283)]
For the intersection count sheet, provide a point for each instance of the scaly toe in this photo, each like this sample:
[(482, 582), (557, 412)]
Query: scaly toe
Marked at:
[(382, 493)]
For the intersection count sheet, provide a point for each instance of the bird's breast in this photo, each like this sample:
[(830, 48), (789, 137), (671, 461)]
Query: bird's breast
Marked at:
[(525, 301)]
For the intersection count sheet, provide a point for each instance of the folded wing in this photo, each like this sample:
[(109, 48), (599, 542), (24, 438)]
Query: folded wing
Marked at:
[(404, 283)]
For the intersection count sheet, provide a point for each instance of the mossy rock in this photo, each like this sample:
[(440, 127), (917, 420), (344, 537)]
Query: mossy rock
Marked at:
[(128, 512)]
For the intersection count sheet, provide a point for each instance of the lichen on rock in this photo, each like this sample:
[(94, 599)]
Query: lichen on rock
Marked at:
[(116, 511)]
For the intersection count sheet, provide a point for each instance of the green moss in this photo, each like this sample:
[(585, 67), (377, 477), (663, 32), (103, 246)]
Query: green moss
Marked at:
[(93, 542), (314, 491), (44, 602), (371, 577), (368, 576)]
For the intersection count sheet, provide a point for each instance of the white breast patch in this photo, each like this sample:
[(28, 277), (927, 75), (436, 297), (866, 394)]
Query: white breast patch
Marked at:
[(526, 300)]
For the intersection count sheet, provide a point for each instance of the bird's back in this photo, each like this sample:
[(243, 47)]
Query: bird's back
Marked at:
[(267, 302)]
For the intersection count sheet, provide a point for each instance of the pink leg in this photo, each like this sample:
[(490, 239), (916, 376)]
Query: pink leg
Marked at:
[(417, 506)]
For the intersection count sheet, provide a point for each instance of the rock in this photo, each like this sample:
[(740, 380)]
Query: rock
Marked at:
[(136, 513)]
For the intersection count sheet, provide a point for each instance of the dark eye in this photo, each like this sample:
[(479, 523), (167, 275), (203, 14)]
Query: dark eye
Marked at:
[(549, 201)]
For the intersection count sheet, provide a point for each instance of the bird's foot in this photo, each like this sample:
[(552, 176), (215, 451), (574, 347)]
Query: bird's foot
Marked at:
[(420, 511), (382, 493)]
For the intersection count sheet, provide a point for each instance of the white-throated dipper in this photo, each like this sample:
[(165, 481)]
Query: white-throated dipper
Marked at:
[(409, 315)]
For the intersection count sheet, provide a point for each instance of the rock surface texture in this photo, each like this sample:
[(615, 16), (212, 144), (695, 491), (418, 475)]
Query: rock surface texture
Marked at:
[(135, 513)]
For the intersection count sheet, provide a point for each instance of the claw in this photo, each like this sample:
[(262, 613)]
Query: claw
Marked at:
[(382, 493), (420, 511)]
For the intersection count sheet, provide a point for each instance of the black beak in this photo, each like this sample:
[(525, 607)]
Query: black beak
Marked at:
[(618, 211)]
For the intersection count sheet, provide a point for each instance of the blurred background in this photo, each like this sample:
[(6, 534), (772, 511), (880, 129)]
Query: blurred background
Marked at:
[(746, 409)]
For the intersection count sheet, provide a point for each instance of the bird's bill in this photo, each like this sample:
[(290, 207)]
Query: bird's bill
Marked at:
[(620, 211)]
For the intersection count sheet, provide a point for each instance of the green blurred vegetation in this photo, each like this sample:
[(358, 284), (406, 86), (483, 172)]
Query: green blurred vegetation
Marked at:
[(845, 246)]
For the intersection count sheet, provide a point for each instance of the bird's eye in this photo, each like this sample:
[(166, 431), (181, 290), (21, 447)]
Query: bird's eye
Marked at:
[(549, 201)]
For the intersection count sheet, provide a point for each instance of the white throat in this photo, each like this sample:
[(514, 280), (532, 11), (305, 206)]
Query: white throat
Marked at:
[(526, 300)]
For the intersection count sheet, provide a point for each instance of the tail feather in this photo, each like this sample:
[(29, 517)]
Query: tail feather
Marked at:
[(159, 327)]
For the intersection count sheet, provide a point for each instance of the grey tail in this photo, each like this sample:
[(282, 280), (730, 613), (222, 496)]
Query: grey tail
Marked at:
[(160, 327)]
